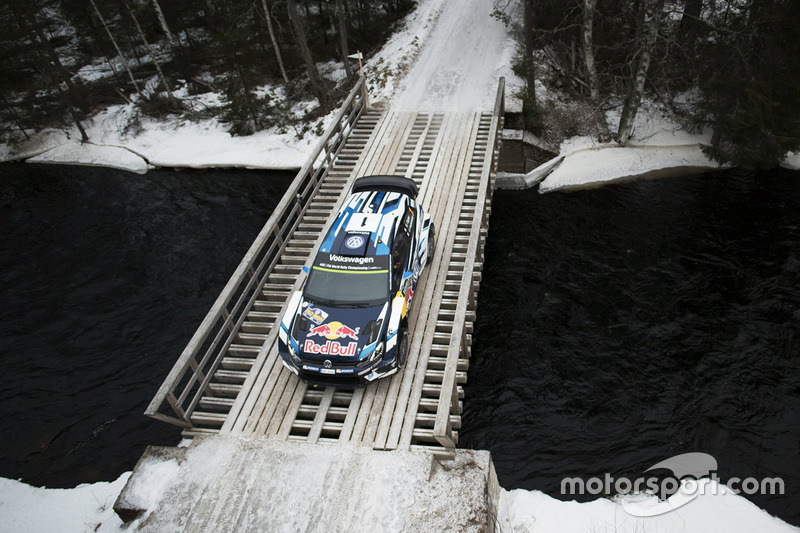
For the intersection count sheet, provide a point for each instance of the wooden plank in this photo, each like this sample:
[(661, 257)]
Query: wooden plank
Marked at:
[(291, 411), (381, 393), (322, 414), (448, 399), (390, 156), (458, 166), (352, 413), (275, 384), (401, 387), (412, 164), (280, 380)]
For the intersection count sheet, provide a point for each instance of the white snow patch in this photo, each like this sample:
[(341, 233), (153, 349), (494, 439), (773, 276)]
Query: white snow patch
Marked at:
[(792, 161), (456, 70), (390, 65), (76, 153), (659, 148), (711, 512), (152, 480), (84, 508)]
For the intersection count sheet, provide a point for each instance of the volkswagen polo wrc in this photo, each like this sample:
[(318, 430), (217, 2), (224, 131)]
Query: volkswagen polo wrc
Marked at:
[(348, 324)]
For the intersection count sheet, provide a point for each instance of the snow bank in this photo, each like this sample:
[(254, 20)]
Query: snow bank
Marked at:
[(792, 161), (711, 512), (89, 507), (660, 148), (89, 154), (84, 508), (604, 164), (122, 138)]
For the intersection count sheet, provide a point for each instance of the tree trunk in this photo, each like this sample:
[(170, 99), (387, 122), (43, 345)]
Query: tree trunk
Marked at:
[(73, 98), (530, 70), (591, 71), (162, 20), (175, 46), (274, 40), (247, 95), (299, 31), (161, 76), (634, 98), (116, 47), (343, 37), (687, 30)]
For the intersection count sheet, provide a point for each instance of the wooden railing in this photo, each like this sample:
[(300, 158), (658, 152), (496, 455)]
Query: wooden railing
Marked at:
[(448, 397), (189, 378)]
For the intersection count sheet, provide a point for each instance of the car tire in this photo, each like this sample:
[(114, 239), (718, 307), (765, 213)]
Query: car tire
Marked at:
[(402, 347), (431, 243)]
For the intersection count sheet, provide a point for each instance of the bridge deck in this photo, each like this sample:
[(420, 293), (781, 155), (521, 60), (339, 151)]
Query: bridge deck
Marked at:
[(446, 156), (230, 378)]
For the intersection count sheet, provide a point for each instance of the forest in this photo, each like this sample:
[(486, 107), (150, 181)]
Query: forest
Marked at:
[(735, 61), (52, 51)]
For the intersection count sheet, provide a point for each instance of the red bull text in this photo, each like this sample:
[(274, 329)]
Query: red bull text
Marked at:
[(331, 348)]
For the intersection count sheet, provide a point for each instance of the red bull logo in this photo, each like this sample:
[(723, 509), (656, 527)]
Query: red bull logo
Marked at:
[(330, 348), (334, 330), (322, 331)]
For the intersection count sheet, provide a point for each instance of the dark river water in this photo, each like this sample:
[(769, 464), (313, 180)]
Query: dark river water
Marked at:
[(616, 327), (105, 277), (623, 325)]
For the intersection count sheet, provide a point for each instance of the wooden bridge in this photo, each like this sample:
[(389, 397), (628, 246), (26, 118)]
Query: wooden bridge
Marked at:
[(230, 379)]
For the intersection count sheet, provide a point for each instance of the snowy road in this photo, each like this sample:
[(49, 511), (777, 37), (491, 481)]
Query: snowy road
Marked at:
[(459, 65)]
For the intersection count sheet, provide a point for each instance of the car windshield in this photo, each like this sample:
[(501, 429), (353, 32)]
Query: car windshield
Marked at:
[(346, 280)]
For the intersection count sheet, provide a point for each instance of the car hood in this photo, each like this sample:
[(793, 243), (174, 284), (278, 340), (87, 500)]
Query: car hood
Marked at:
[(335, 333)]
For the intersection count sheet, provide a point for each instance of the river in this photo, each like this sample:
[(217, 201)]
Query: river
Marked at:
[(616, 327)]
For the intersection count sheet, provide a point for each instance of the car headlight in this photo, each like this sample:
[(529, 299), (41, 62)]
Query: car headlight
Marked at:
[(293, 353), (376, 354)]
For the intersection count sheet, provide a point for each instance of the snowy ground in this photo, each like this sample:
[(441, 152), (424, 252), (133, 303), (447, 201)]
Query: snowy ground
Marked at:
[(459, 67), (448, 56)]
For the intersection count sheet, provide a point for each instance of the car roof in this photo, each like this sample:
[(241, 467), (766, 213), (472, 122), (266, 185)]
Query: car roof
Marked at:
[(368, 222)]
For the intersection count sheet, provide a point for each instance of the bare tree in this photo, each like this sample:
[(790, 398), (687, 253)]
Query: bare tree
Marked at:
[(299, 31), (342, 16), (530, 68), (591, 71), (116, 47), (161, 76), (162, 20), (649, 23), (274, 40)]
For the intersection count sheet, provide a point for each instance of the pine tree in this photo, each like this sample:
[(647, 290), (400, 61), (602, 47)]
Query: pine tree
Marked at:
[(753, 92)]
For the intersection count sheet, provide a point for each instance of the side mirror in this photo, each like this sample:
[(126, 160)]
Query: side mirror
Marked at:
[(305, 269)]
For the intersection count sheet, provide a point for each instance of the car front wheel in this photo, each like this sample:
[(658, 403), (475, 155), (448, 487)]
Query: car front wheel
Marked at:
[(402, 347), (431, 243)]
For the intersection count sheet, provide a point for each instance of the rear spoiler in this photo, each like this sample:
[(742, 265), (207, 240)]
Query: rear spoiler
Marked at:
[(397, 184)]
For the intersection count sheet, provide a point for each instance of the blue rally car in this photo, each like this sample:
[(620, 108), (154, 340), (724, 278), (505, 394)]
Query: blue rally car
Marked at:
[(348, 324)]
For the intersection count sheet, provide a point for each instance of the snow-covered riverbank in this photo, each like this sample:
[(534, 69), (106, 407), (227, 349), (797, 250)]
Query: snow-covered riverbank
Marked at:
[(657, 146)]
